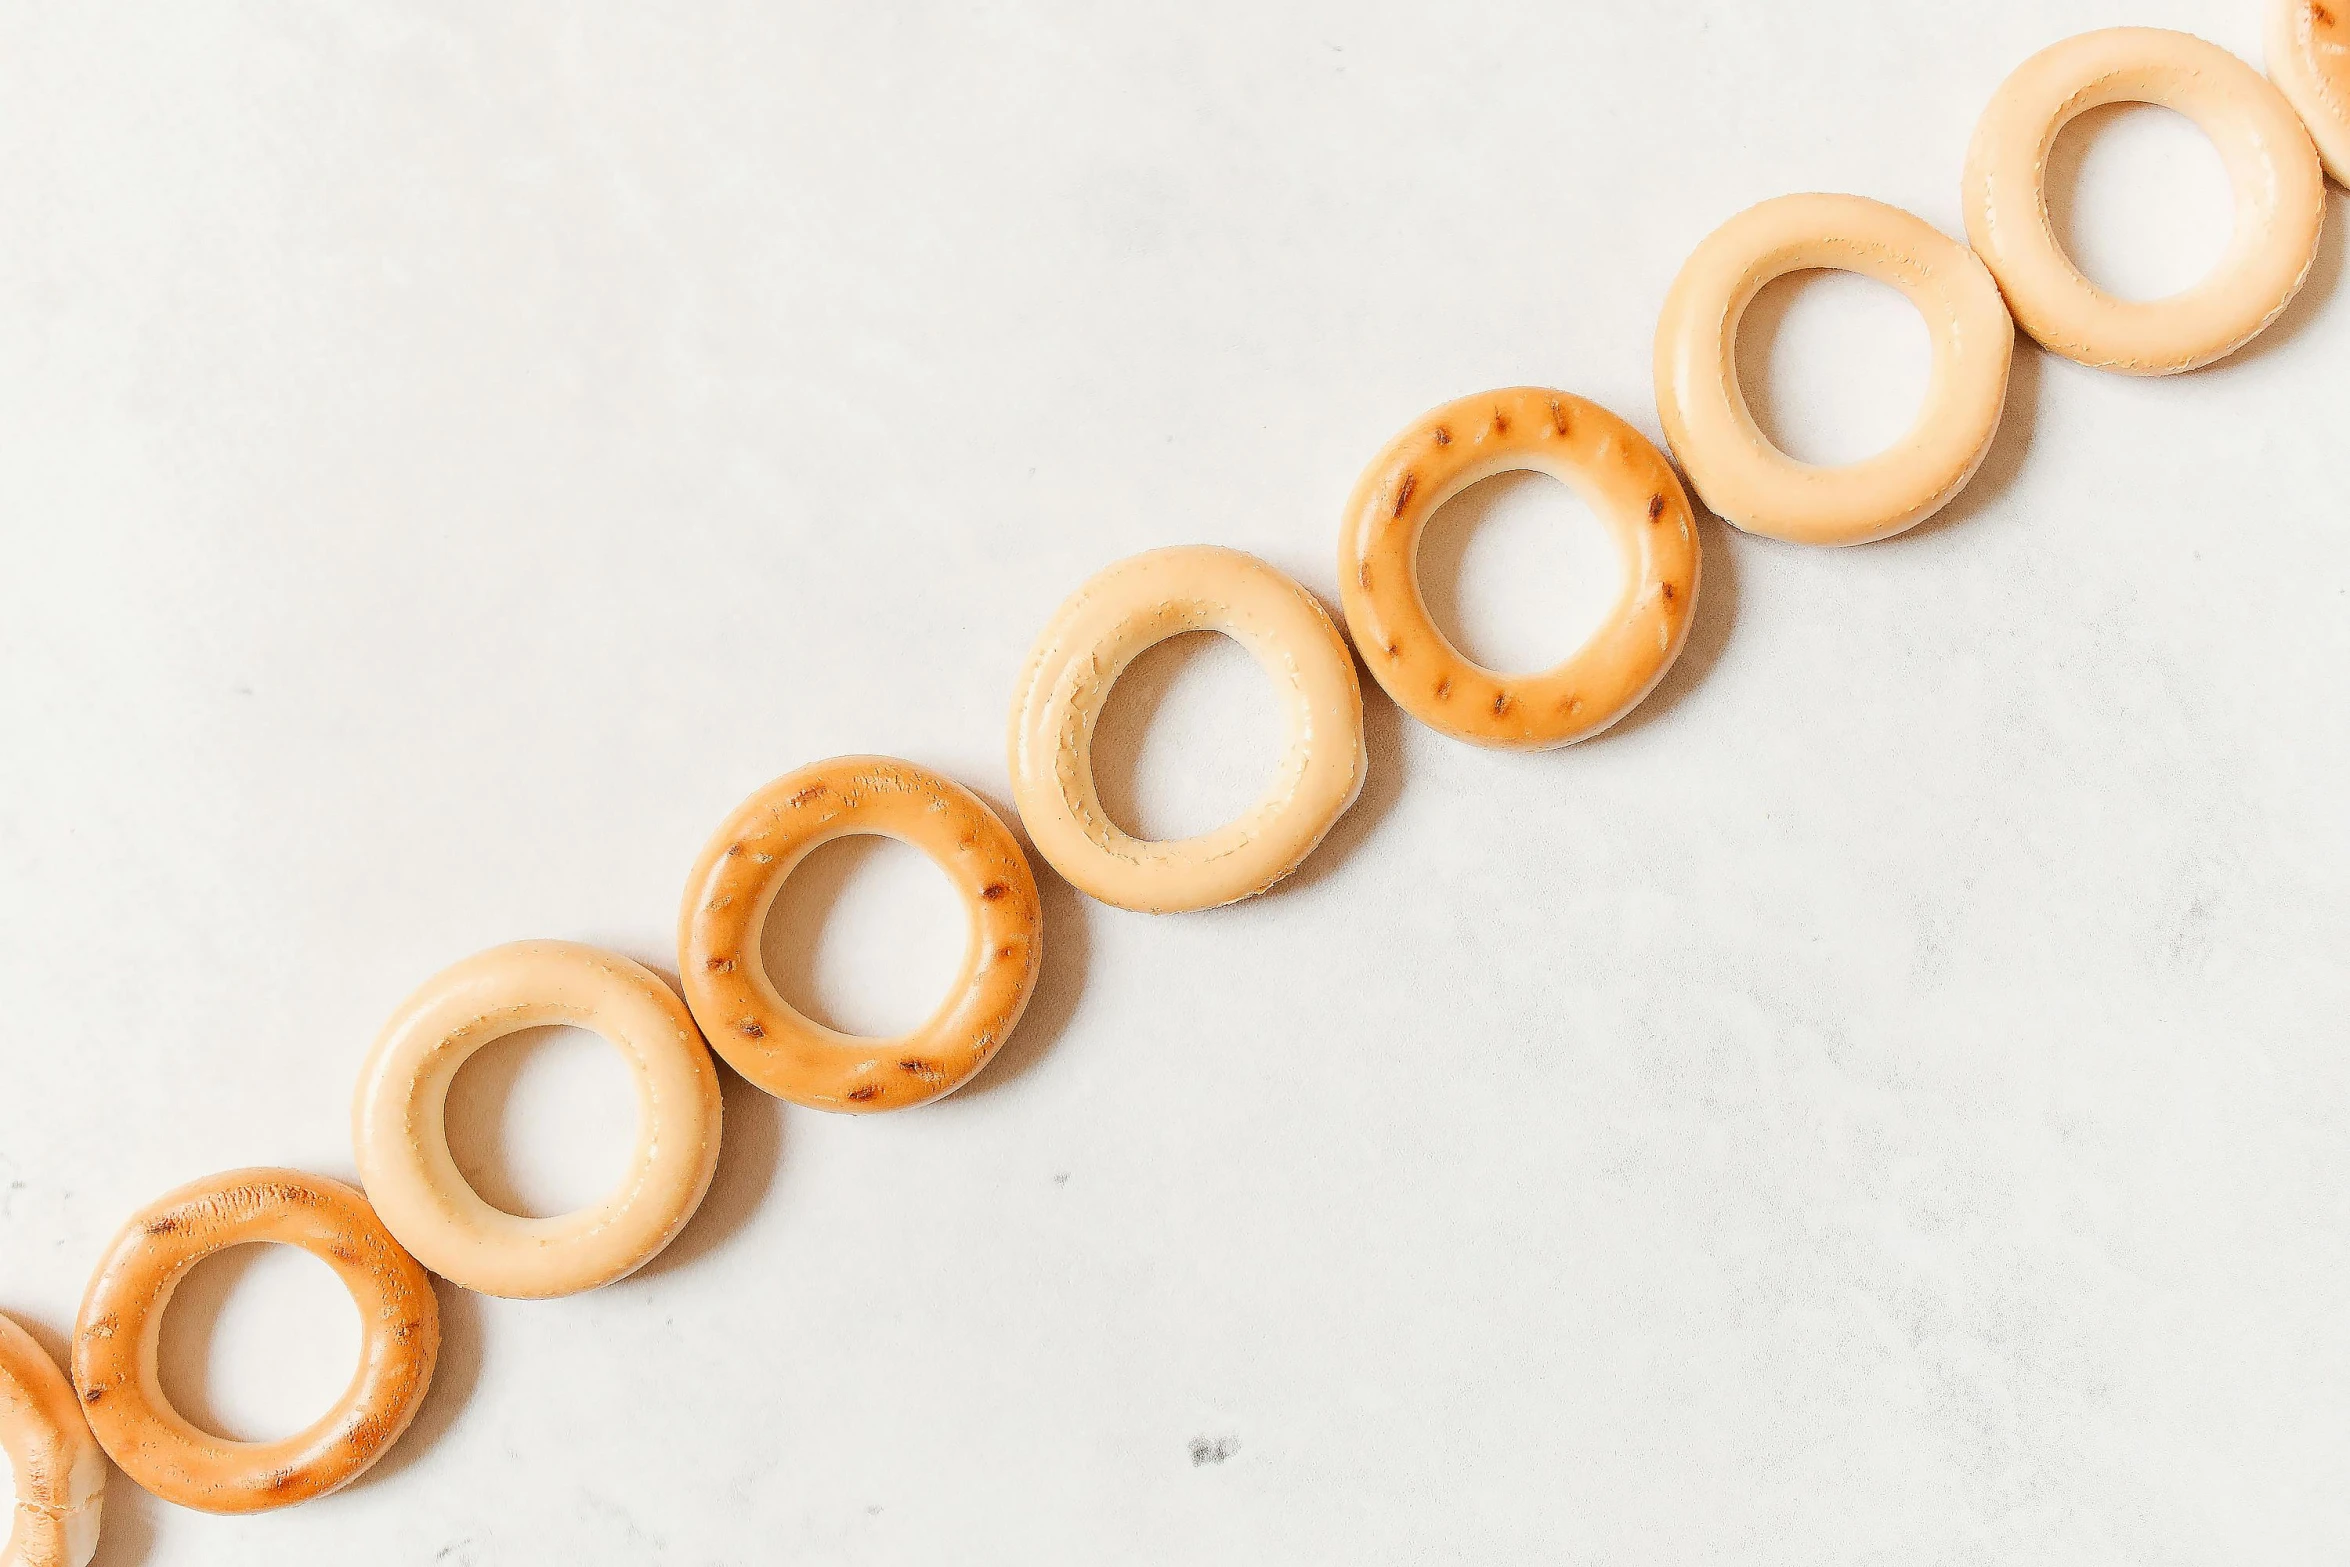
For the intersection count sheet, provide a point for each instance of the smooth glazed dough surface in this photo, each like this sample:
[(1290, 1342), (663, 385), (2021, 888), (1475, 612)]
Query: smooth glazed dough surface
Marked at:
[(2279, 199), (60, 1474), (401, 1137), (2309, 60), (114, 1345), (1626, 481), (1734, 467), (1102, 628), (744, 866)]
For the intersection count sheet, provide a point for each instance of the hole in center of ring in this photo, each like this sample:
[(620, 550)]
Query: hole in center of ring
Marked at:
[(1518, 572), (1189, 739), (544, 1121), (258, 1342), (1833, 365), (865, 936), (2140, 199)]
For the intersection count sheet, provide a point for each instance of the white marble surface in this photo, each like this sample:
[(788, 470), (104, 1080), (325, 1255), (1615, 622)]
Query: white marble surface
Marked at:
[(1887, 1103)]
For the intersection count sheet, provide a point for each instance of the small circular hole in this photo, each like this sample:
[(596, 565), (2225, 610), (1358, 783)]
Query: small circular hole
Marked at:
[(1189, 739), (1833, 365), (865, 936), (258, 1342), (2140, 200), (1518, 573), (544, 1121)]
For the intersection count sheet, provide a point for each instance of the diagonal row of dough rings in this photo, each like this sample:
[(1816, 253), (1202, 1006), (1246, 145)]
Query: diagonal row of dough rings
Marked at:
[(424, 1214)]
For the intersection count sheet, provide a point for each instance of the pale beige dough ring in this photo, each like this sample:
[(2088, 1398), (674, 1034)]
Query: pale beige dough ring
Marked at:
[(734, 884), (114, 1344), (1627, 482), (1089, 642), (400, 1135), (60, 1474), (2309, 60), (1730, 462), (2279, 199)]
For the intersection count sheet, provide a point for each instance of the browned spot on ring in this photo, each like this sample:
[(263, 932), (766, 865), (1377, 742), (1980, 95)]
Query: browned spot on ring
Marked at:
[(1501, 703), (865, 1093), (1395, 650), (1666, 588), (1403, 492), (1007, 953), (91, 1395), (162, 1226), (280, 1480), (1444, 688), (1656, 506), (970, 840), (1501, 422), (812, 792), (750, 1026), (734, 850), (1443, 436), (1363, 576), (1558, 418), (917, 1067), (994, 890), (720, 965), (2320, 15)]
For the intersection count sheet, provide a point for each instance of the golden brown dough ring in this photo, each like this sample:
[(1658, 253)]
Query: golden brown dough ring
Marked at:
[(1734, 467), (402, 1140), (733, 885), (1096, 633), (2309, 60), (114, 1345), (2280, 199), (60, 1474), (1626, 481)]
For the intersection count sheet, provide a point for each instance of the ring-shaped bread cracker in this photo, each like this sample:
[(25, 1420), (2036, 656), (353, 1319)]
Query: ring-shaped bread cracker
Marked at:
[(1103, 627), (114, 1346), (60, 1474), (401, 1137), (2279, 199), (1735, 468), (744, 866), (2308, 54), (1626, 481)]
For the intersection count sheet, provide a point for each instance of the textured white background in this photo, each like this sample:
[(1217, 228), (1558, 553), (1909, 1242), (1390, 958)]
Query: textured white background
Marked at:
[(1886, 1103)]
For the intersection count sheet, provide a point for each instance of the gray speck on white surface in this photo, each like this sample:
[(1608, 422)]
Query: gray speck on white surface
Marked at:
[(1207, 1450)]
